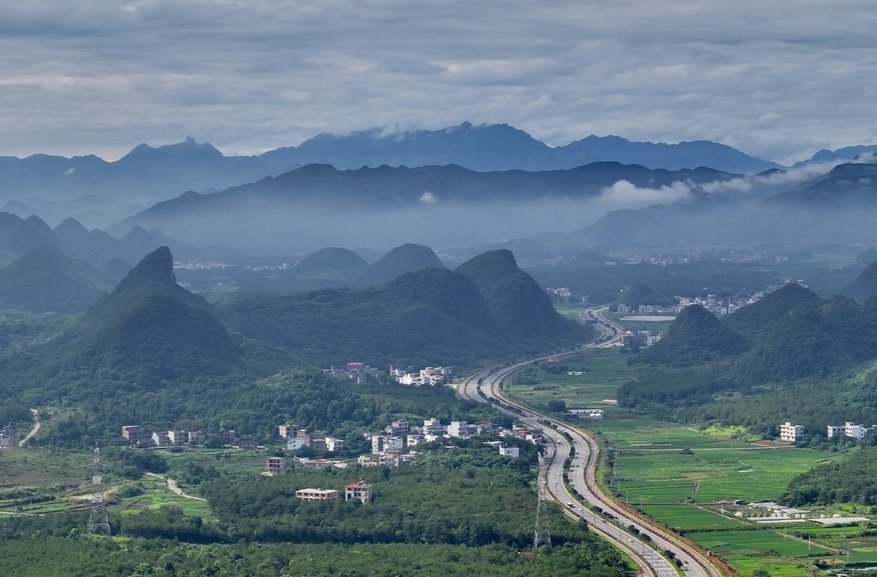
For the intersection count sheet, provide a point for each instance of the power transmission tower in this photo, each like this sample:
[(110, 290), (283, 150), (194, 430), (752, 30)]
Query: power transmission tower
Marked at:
[(97, 521), (542, 535)]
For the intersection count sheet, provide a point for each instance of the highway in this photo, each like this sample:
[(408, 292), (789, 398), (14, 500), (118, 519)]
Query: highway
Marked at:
[(484, 386)]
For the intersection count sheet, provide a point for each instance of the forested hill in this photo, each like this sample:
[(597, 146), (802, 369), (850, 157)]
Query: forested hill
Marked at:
[(152, 336), (518, 305), (695, 336), (850, 481), (429, 316), (792, 355), (148, 334)]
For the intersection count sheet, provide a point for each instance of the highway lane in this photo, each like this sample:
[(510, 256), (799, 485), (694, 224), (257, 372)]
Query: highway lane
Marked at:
[(484, 386)]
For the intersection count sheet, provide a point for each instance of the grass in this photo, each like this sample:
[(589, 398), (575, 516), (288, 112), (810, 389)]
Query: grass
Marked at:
[(707, 476), (688, 517), (603, 371), (43, 468), (155, 495)]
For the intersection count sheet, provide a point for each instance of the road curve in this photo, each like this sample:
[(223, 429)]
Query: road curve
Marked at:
[(34, 430), (483, 386)]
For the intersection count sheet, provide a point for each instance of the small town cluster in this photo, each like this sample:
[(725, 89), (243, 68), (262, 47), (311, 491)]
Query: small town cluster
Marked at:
[(792, 432), (717, 305), (396, 444), (393, 447), (429, 376)]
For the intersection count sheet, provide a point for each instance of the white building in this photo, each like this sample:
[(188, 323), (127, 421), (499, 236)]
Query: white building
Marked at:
[(855, 431), (433, 427), (295, 443), (790, 432), (360, 491), (316, 494), (461, 429), (512, 452), (333, 444)]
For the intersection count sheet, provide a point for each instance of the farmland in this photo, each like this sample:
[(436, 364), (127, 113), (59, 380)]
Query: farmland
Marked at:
[(681, 475)]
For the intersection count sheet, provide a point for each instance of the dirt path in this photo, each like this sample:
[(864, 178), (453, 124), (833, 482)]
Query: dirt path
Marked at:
[(172, 485), (33, 431)]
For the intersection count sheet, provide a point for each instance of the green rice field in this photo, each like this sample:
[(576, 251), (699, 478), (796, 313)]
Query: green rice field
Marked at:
[(603, 371), (676, 474), (687, 517), (709, 475)]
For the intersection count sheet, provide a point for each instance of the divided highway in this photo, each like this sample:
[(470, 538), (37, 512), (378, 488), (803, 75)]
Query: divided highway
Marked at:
[(484, 387)]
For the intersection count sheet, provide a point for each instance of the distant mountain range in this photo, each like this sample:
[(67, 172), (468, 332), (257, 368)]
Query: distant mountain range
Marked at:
[(98, 192), (465, 186)]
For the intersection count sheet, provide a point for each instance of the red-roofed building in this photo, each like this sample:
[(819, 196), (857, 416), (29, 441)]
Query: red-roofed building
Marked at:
[(359, 490)]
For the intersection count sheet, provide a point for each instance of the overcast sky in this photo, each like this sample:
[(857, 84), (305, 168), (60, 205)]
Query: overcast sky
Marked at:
[(777, 79)]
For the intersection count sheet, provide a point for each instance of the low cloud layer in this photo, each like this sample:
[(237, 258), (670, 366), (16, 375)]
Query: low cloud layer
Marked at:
[(778, 80)]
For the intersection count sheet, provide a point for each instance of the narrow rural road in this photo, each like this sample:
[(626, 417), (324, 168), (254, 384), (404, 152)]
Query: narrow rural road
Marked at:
[(174, 488), (34, 429)]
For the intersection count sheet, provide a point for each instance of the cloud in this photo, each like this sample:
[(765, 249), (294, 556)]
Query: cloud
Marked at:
[(779, 80), (624, 194), (428, 198)]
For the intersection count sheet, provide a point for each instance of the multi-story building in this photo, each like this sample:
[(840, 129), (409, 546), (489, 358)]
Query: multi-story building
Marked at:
[(399, 427), (360, 491), (160, 439), (506, 451), (333, 444), (414, 440), (433, 427), (178, 438), (287, 430), (316, 494), (790, 432), (855, 431), (196, 438), (275, 465), (133, 433), (461, 429)]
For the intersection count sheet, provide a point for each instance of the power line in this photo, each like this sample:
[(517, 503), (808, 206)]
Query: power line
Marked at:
[(97, 520)]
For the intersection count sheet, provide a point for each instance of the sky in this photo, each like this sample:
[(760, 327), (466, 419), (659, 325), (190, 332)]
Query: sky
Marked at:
[(778, 79)]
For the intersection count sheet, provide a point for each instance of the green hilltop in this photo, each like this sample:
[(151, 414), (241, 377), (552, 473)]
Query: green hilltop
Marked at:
[(791, 355), (45, 279), (150, 343)]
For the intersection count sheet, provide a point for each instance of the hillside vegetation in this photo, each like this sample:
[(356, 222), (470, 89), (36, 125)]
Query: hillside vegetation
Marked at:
[(790, 356)]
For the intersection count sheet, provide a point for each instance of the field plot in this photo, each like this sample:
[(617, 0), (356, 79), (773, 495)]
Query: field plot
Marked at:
[(155, 494), (856, 545), (602, 372), (638, 432), (747, 551), (688, 517), (707, 476)]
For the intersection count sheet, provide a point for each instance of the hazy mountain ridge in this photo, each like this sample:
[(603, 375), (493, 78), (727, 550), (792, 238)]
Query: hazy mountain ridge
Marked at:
[(47, 280), (319, 205), (148, 174)]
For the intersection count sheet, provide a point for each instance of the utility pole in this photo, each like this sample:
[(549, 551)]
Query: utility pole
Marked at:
[(542, 535), (97, 520)]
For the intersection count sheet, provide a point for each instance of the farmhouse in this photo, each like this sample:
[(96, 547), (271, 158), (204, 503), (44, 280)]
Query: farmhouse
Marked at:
[(316, 494), (790, 432)]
